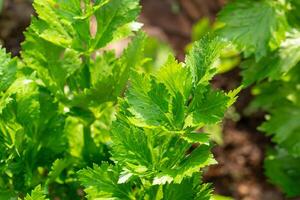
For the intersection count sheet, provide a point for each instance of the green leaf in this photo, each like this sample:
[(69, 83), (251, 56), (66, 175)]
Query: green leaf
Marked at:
[(175, 77), (52, 63), (8, 69), (190, 188), (199, 158), (59, 165), (27, 97), (144, 152), (284, 126), (130, 143), (253, 25), (102, 183), (202, 59), (112, 16), (277, 64), (288, 55), (148, 100), (283, 170), (208, 107), (50, 26), (36, 194)]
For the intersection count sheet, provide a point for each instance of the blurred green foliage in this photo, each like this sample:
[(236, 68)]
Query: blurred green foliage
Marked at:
[(157, 53), (1, 6), (230, 57), (267, 32)]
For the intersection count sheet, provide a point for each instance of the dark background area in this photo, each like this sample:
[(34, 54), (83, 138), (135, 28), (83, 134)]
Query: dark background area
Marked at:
[(240, 170)]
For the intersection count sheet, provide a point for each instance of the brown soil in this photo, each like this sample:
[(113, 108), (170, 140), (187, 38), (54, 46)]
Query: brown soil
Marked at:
[(172, 20), (240, 170), (14, 19)]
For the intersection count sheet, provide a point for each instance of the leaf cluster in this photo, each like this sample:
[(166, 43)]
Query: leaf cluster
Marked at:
[(156, 148), (58, 100), (267, 32)]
